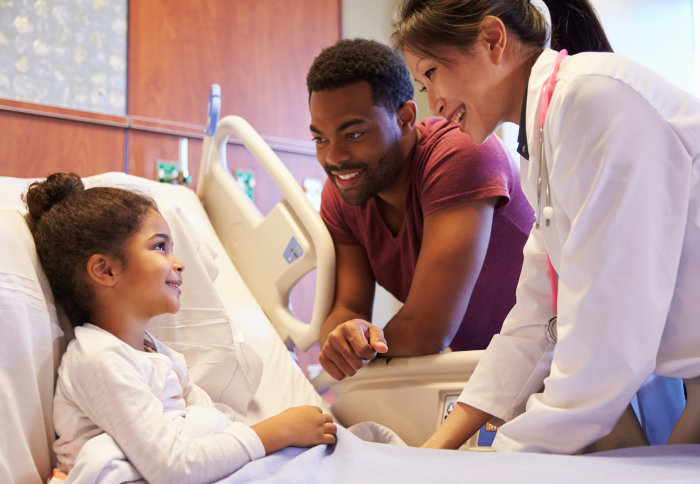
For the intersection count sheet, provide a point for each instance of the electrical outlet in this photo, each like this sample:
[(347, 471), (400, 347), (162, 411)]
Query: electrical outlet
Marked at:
[(246, 180), (166, 171)]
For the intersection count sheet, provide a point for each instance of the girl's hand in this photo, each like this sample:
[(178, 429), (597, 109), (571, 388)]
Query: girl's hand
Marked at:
[(303, 426)]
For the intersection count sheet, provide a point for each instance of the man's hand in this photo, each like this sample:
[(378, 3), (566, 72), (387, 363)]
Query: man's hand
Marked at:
[(349, 346)]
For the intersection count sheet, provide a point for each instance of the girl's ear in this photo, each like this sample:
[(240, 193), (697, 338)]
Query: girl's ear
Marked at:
[(101, 269), (492, 31)]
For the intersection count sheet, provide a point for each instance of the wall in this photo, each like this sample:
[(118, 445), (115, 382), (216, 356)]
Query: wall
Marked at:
[(258, 50), (658, 34)]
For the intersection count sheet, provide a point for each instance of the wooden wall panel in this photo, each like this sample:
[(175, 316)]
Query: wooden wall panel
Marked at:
[(258, 51), (35, 146)]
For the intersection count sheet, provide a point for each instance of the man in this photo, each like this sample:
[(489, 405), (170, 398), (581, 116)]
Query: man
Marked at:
[(418, 208)]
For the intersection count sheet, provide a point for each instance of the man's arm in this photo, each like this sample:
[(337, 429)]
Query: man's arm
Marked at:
[(452, 253), (346, 337)]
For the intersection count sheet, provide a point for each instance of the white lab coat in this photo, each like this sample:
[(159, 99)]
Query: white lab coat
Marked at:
[(623, 152)]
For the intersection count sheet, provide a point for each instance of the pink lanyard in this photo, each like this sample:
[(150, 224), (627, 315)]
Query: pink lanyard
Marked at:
[(545, 98)]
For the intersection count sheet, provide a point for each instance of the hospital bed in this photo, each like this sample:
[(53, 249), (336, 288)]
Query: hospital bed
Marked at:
[(409, 395), (235, 330)]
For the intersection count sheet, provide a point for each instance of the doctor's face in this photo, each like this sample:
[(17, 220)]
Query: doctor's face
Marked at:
[(357, 142), (461, 90)]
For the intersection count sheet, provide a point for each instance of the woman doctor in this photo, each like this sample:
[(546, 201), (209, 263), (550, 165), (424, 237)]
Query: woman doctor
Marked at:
[(613, 170)]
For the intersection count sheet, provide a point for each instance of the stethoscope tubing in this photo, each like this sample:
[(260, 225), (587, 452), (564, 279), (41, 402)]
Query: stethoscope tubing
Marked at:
[(547, 211), (545, 97)]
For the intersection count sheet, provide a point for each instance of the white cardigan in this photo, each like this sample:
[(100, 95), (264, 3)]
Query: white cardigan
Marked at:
[(141, 400), (623, 152)]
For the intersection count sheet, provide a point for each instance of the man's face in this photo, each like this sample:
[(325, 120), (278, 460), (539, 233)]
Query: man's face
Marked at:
[(357, 142)]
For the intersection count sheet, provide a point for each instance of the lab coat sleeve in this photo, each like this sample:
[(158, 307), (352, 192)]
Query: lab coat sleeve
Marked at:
[(517, 360), (620, 183)]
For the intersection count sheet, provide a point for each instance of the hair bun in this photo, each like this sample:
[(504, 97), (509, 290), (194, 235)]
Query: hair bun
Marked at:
[(43, 195)]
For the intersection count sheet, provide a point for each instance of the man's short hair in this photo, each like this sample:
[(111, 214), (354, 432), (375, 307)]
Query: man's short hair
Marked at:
[(353, 60)]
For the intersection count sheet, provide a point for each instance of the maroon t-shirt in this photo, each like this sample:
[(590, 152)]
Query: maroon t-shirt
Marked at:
[(448, 169)]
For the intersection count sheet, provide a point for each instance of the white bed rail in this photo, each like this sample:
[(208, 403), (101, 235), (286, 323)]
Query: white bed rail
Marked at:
[(274, 252), (410, 395)]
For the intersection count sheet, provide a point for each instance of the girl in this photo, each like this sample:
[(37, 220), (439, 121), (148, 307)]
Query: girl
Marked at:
[(108, 255), (611, 163)]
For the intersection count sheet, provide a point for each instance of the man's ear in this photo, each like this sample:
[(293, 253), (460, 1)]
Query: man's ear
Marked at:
[(102, 270), (406, 117), (492, 31)]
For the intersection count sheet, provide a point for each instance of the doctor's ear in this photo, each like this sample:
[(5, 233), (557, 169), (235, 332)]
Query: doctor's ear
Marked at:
[(102, 270), (493, 32)]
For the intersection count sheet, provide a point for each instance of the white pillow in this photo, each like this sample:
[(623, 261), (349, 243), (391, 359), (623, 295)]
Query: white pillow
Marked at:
[(11, 191), (32, 343)]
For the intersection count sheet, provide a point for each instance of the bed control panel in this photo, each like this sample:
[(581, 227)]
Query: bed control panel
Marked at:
[(293, 251)]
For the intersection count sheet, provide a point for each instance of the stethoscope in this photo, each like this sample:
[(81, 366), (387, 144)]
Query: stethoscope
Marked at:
[(547, 211), (545, 97)]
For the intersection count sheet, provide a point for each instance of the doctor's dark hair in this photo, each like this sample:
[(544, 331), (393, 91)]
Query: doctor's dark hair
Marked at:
[(424, 26), (70, 224), (353, 60)]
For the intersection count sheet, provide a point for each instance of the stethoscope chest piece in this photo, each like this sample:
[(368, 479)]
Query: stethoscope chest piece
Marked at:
[(547, 213)]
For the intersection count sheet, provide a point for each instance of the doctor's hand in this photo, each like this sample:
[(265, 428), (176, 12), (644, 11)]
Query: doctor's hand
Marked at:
[(349, 346)]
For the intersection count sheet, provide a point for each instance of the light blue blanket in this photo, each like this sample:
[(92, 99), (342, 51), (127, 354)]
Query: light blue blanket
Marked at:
[(353, 460)]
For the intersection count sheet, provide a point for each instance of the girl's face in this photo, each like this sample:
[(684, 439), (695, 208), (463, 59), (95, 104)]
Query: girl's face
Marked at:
[(462, 90), (151, 278)]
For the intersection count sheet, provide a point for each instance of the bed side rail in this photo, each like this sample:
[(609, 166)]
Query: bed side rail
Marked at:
[(274, 252), (410, 395)]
